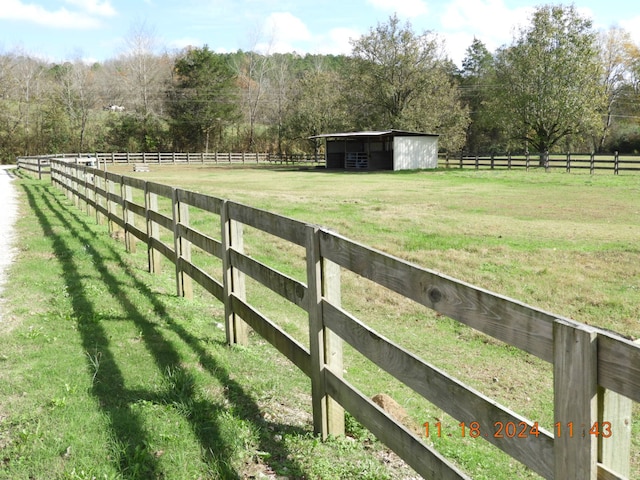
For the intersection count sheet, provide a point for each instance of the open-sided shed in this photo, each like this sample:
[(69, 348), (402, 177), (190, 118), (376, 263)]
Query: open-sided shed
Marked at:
[(380, 150)]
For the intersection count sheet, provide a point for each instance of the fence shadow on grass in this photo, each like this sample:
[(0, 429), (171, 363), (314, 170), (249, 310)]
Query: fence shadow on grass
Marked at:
[(109, 385)]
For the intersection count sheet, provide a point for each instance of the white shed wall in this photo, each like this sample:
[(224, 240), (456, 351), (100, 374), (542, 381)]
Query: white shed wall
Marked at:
[(415, 152)]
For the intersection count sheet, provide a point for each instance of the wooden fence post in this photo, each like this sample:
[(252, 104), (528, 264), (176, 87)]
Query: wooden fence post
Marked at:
[(233, 280), (546, 160), (99, 183), (592, 163), (616, 163), (182, 246), (568, 162), (527, 161), (111, 205), (614, 410), (325, 347), (128, 217), (90, 192), (153, 230), (461, 157), (575, 386)]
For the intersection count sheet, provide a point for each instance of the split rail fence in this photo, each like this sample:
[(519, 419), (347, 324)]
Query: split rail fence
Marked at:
[(596, 373), (567, 162), (40, 164)]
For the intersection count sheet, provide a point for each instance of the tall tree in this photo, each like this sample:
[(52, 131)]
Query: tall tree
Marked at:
[(616, 55), (475, 85), (549, 80), (401, 80), (317, 106), (202, 100)]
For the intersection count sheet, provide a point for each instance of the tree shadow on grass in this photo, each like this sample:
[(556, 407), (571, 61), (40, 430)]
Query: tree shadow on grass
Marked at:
[(109, 384)]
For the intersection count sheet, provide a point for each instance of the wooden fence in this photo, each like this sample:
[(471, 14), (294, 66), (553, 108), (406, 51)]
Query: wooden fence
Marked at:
[(40, 164), (566, 162), (596, 373)]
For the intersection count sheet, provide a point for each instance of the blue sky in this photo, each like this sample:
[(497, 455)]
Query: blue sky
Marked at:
[(96, 30)]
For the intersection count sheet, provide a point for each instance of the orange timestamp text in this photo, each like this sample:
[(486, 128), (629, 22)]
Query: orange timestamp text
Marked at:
[(522, 430)]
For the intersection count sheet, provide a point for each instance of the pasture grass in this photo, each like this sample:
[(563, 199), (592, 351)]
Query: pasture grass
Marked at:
[(147, 374)]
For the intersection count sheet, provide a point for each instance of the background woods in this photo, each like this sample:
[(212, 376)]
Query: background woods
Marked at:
[(560, 85)]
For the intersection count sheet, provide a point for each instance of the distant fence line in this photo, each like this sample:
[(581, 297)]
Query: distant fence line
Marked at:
[(567, 162), (596, 372), (40, 164), (549, 161)]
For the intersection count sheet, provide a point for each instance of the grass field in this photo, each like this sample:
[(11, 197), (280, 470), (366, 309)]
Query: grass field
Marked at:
[(107, 374)]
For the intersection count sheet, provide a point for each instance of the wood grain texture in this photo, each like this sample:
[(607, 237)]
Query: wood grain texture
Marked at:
[(575, 386), (271, 332), (439, 388), (205, 280), (200, 240), (201, 201), (619, 365), (507, 320), (424, 460), (277, 225), (286, 287)]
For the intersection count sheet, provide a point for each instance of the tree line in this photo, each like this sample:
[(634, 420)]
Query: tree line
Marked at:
[(559, 85)]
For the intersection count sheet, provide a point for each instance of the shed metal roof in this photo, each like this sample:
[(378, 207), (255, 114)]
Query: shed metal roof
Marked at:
[(382, 133)]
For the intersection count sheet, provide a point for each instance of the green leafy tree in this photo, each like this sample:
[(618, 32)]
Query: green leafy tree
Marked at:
[(548, 82), (476, 87), (317, 107), (401, 80), (202, 100)]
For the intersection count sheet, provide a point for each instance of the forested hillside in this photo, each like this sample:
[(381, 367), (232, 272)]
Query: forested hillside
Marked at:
[(560, 85)]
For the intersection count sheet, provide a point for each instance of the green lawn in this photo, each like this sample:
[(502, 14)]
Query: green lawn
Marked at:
[(107, 374)]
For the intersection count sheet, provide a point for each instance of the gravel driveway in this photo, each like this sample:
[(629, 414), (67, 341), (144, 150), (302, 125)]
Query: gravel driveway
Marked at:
[(8, 214)]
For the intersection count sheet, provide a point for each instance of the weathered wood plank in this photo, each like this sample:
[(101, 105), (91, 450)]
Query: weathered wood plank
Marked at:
[(209, 283), (619, 365), (512, 322), (139, 234), (439, 388), (605, 474), (333, 343), (200, 240), (153, 231), (424, 460), (113, 177), (231, 236), (182, 247), (271, 332), (575, 387), (115, 199), (277, 225), (161, 219), (201, 201), (285, 286), (133, 207), (163, 248), (134, 182), (159, 189)]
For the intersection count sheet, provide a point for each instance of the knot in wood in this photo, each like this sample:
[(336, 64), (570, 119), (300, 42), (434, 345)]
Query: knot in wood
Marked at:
[(435, 295)]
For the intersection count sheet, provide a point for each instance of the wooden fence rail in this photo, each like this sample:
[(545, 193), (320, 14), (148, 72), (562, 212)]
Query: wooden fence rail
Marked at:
[(594, 371), (40, 164), (613, 162)]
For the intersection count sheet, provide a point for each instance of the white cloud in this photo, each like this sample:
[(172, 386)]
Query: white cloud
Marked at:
[(61, 18), (491, 21), (404, 8), (632, 25), (95, 7), (336, 42), (283, 32)]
